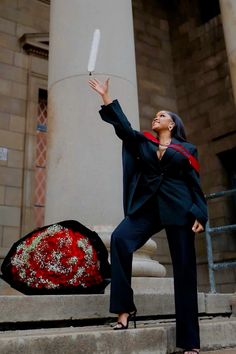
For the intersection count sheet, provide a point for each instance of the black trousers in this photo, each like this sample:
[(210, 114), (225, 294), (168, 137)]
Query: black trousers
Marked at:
[(130, 235)]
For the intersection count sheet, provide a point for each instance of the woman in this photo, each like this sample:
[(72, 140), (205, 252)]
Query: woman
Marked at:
[(161, 190)]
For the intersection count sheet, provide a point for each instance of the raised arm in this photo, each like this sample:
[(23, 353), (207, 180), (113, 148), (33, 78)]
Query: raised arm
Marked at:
[(111, 112), (102, 89)]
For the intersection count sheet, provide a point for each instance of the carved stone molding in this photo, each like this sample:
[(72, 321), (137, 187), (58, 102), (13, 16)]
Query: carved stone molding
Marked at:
[(36, 44)]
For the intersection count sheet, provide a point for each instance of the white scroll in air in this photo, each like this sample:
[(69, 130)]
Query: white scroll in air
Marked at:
[(94, 51)]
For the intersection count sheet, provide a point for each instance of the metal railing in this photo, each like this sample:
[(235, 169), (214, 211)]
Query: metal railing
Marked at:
[(212, 266)]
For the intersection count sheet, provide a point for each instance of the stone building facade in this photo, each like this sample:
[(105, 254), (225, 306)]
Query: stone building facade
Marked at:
[(182, 65), (22, 75)]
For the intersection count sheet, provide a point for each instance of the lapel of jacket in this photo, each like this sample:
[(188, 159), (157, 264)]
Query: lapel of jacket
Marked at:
[(169, 153)]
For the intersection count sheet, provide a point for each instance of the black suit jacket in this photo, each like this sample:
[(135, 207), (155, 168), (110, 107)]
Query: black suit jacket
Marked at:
[(173, 180)]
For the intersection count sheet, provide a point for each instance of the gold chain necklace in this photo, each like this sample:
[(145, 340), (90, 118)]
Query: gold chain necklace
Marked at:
[(161, 150), (165, 145)]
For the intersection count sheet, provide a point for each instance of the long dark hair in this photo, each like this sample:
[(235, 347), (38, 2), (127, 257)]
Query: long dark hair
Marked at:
[(178, 131)]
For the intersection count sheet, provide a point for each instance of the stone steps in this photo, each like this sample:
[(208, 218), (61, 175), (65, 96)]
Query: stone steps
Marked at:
[(156, 336), (78, 307), (72, 324)]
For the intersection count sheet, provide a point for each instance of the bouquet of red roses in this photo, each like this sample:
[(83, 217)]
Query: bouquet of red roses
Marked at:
[(61, 258)]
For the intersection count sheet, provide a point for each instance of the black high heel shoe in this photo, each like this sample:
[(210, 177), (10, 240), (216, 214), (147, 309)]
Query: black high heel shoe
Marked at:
[(120, 325)]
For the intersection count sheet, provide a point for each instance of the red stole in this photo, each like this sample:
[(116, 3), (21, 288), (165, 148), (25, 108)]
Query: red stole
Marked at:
[(178, 147)]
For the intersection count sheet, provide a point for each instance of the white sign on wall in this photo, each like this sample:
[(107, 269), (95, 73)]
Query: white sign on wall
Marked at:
[(3, 154)]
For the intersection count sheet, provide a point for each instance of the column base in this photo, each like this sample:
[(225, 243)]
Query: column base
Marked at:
[(150, 285), (143, 263)]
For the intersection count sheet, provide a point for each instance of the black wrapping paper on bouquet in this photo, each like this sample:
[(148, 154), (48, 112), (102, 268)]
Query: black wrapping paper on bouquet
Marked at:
[(61, 258)]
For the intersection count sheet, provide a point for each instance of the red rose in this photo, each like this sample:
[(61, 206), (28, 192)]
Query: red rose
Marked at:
[(55, 257)]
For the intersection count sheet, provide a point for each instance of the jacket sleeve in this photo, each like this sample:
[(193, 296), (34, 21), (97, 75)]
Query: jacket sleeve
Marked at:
[(113, 114), (199, 206)]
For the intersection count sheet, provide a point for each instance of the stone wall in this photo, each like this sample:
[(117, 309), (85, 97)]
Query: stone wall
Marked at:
[(182, 65), (205, 101), (17, 94), (156, 88)]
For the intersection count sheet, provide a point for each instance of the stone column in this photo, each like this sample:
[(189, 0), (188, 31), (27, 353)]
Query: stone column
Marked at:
[(84, 174), (228, 14), (84, 155)]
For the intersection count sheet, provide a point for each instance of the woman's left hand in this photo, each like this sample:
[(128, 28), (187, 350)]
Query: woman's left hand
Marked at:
[(197, 227)]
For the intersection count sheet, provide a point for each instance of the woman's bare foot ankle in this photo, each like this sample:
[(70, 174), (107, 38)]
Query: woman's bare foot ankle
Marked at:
[(123, 318)]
